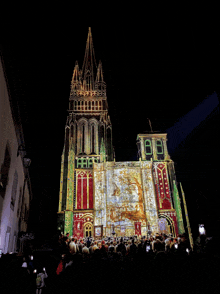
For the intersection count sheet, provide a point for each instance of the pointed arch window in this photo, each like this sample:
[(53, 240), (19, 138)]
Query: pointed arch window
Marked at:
[(92, 138), (159, 146), (101, 135), (83, 138), (148, 147)]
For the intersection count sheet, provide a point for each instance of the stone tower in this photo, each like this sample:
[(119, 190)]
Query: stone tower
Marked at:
[(88, 139)]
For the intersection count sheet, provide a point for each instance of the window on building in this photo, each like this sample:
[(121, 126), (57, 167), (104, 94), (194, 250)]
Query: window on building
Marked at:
[(83, 139), (148, 147), (90, 162), (81, 163), (93, 139), (159, 146)]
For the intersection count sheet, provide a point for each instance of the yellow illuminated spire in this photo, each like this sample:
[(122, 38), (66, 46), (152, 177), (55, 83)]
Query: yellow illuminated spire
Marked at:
[(88, 64)]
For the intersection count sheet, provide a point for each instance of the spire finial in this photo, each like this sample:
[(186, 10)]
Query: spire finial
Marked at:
[(150, 125), (99, 76), (89, 63)]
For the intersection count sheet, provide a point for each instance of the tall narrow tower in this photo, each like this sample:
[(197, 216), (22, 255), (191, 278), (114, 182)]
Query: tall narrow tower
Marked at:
[(88, 139)]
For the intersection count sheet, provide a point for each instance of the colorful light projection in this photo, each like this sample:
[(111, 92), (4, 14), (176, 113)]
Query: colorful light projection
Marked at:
[(125, 198), (68, 227), (81, 220), (78, 225), (70, 183), (121, 200), (99, 194), (177, 205), (84, 189), (168, 217), (162, 186), (149, 196)]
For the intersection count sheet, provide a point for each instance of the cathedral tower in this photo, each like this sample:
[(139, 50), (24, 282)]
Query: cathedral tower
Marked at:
[(88, 139)]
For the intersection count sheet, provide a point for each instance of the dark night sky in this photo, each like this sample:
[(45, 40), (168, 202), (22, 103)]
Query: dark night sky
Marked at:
[(161, 69)]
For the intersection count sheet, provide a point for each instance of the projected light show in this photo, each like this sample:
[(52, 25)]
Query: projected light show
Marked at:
[(99, 196)]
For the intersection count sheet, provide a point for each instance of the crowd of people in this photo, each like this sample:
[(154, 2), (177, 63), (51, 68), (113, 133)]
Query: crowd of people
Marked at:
[(125, 246), (111, 263)]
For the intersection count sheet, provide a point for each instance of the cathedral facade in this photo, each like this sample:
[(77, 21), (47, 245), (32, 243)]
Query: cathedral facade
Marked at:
[(99, 196)]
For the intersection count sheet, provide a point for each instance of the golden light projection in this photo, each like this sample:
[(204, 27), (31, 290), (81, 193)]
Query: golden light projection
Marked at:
[(121, 200)]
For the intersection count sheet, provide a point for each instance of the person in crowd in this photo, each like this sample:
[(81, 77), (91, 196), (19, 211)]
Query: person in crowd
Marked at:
[(105, 245), (61, 265), (91, 248), (72, 246), (111, 247), (128, 247), (121, 247), (88, 242), (95, 247), (171, 244), (147, 246), (102, 249), (116, 243), (133, 248), (167, 244), (184, 244), (79, 245), (156, 245), (24, 266), (31, 263), (140, 247), (40, 280), (85, 249)]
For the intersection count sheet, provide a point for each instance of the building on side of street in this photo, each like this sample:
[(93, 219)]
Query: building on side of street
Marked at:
[(15, 186)]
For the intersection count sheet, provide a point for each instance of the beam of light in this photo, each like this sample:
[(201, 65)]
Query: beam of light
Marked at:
[(184, 127)]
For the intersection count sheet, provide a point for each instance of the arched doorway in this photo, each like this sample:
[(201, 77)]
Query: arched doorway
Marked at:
[(88, 229), (166, 225)]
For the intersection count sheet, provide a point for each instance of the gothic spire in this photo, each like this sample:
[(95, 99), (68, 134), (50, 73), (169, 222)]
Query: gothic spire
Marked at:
[(99, 82), (88, 64), (75, 78), (99, 76)]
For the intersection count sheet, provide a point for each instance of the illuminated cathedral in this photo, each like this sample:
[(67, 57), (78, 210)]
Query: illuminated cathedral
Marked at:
[(99, 196)]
